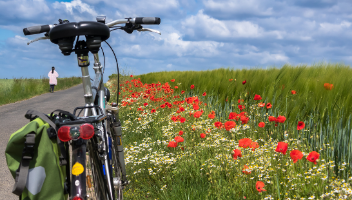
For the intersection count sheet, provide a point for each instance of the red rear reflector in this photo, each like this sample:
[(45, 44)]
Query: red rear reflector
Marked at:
[(64, 133), (77, 198), (87, 131)]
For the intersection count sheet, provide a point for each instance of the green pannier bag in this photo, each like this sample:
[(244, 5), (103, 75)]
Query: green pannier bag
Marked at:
[(33, 155)]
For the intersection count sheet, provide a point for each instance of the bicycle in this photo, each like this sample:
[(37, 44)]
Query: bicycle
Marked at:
[(95, 139)]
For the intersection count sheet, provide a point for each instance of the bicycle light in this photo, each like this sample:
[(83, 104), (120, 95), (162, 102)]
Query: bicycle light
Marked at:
[(67, 133), (77, 198), (87, 131)]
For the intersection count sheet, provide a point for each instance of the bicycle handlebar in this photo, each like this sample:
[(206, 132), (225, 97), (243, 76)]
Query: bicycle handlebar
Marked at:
[(131, 24), (37, 29), (147, 20)]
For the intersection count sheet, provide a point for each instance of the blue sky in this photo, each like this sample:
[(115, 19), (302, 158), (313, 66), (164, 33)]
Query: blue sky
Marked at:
[(195, 34)]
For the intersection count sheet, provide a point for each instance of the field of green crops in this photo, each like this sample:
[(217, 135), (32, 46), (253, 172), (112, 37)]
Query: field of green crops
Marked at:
[(184, 133), (5, 84), (12, 90)]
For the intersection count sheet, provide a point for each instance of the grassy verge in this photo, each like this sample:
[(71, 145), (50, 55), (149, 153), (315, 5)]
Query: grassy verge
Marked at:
[(13, 90), (204, 168)]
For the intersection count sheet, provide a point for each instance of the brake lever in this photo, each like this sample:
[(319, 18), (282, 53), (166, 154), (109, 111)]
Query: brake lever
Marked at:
[(37, 39), (148, 29)]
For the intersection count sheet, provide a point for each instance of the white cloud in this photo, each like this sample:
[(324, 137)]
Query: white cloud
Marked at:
[(18, 40), (330, 27), (169, 65), (23, 9), (267, 57), (210, 28), (150, 8), (238, 7), (75, 4)]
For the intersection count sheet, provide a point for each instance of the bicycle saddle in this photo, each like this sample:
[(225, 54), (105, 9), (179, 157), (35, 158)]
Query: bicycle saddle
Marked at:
[(72, 29)]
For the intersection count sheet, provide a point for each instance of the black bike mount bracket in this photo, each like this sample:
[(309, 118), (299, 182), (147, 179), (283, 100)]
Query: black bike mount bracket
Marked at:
[(101, 19), (82, 50)]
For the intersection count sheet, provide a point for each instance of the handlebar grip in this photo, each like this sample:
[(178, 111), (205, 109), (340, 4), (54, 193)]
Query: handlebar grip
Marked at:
[(147, 20), (36, 29)]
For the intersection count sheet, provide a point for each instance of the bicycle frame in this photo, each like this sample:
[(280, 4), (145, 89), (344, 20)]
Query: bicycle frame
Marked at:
[(78, 187)]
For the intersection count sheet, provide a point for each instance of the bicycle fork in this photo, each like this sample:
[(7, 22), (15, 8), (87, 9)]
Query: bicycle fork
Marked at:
[(118, 133)]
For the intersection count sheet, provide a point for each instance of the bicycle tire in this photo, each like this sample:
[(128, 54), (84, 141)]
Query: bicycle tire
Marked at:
[(98, 184), (117, 172)]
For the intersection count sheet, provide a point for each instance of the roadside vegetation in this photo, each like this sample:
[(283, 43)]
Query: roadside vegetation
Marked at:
[(238, 134), (13, 90)]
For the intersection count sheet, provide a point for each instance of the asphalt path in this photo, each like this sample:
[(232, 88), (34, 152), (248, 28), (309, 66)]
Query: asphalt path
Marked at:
[(12, 118)]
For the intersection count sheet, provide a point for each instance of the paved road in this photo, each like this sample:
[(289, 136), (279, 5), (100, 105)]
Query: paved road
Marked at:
[(12, 118)]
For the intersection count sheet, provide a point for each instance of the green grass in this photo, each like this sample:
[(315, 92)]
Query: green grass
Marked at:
[(13, 90), (5, 84), (206, 170)]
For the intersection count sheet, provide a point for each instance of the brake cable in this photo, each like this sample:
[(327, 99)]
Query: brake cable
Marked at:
[(118, 74)]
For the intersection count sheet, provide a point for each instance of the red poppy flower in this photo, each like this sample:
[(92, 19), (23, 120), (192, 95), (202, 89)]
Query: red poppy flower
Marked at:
[(180, 133), (217, 124), (296, 155), (261, 104), (131, 76), (233, 115), (172, 80), (162, 106), (300, 125), (182, 120), (246, 170), (261, 124), (197, 114), (195, 106), (245, 142), (176, 86), (281, 119), (244, 119), (230, 79), (240, 100), (145, 104), (259, 186), (211, 116), (204, 94), (268, 105), (172, 144), (282, 147), (153, 111), (313, 157), (192, 87), (257, 97), (328, 86), (179, 139), (254, 145), (182, 92), (272, 119), (229, 125), (241, 107), (174, 118), (293, 92), (236, 153), (244, 82), (202, 135)]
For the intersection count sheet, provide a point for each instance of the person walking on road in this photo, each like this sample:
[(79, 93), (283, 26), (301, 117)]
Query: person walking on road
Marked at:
[(52, 79)]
